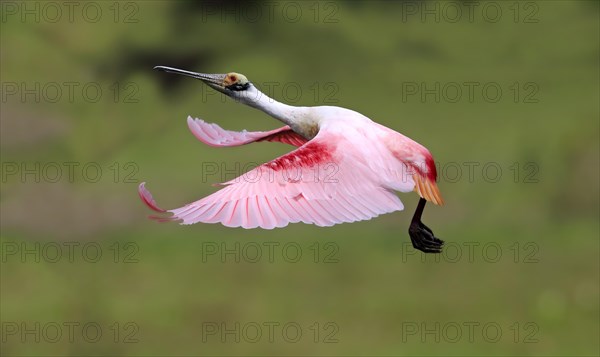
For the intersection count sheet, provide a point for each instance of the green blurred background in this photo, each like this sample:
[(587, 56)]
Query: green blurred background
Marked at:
[(521, 264)]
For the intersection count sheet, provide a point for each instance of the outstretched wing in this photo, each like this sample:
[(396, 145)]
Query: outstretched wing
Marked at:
[(317, 183), (214, 135)]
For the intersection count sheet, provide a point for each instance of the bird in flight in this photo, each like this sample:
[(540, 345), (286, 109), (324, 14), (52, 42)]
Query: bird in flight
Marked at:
[(344, 168)]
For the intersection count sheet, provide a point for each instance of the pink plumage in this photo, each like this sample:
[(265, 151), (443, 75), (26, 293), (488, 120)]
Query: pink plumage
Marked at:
[(344, 168), (346, 173), (214, 135)]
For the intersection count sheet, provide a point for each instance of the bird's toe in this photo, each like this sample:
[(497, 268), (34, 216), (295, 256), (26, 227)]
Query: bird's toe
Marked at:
[(422, 239)]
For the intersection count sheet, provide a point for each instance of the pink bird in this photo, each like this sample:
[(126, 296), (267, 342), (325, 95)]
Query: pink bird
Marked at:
[(345, 168)]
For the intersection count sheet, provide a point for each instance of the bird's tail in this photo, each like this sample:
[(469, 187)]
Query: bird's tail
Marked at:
[(427, 189)]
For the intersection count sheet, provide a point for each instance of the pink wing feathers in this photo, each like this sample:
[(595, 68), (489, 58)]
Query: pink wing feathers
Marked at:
[(317, 183), (214, 135), (419, 162)]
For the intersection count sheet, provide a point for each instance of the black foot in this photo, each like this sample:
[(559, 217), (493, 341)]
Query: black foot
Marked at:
[(422, 238)]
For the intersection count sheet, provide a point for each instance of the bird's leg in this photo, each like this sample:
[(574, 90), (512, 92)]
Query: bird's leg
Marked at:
[(421, 236)]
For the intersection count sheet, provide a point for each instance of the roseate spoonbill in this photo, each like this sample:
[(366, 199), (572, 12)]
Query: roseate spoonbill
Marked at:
[(345, 168)]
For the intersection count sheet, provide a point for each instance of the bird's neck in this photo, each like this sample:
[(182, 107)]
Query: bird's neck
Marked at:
[(298, 118)]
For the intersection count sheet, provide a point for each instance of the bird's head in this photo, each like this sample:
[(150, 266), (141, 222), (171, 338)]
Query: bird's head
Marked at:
[(234, 85)]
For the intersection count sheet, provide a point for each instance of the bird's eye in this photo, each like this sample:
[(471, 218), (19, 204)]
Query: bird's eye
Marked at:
[(238, 86)]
